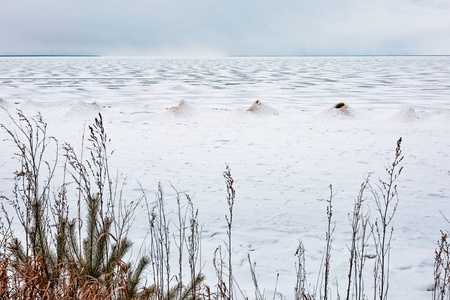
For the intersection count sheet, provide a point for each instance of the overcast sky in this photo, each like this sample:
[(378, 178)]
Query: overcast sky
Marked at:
[(225, 27)]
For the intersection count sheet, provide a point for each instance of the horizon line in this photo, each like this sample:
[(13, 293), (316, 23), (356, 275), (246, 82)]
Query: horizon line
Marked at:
[(50, 55), (224, 56)]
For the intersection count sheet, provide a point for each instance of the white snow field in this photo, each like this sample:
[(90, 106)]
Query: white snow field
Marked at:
[(283, 153)]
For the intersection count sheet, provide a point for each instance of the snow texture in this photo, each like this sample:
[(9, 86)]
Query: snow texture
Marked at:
[(284, 151)]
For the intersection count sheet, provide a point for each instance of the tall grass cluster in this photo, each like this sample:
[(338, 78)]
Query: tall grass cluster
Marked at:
[(82, 252)]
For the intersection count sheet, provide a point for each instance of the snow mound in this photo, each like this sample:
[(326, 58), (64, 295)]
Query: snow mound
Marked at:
[(85, 110), (441, 115), (182, 109), (30, 104), (339, 111), (259, 108), (410, 114), (445, 114), (3, 103)]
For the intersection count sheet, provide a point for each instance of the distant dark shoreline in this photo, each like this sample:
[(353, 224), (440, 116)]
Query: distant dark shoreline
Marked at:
[(230, 56), (46, 55), (343, 55)]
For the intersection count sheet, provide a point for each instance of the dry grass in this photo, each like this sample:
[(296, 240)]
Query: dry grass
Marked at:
[(29, 281), (67, 261)]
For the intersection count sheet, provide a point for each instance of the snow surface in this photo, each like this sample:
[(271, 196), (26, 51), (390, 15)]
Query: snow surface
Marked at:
[(282, 161)]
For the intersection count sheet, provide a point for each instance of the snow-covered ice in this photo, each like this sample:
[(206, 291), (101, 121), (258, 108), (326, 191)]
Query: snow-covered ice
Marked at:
[(179, 121)]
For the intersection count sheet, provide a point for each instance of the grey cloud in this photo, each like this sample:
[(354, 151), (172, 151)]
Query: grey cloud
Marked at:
[(245, 27)]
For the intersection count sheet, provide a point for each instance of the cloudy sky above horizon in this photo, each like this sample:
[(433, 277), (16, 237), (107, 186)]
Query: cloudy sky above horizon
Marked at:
[(232, 27)]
